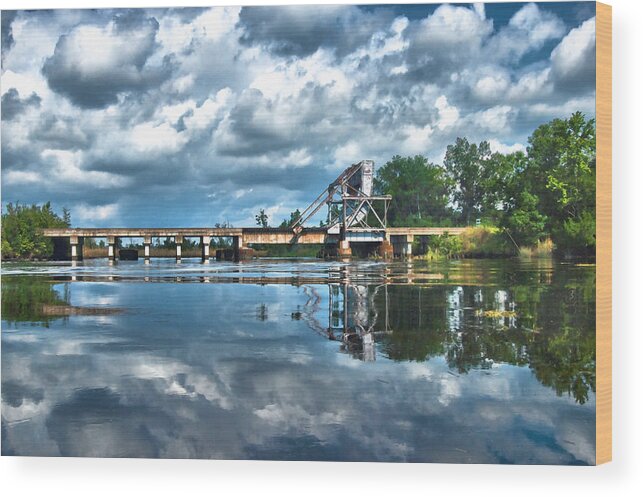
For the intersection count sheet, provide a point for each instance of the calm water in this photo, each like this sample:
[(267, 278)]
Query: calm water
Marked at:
[(465, 361)]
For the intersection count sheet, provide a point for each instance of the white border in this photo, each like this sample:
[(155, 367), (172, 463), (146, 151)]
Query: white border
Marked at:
[(22, 477)]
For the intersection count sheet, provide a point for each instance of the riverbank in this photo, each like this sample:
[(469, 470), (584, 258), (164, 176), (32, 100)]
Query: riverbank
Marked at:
[(479, 243)]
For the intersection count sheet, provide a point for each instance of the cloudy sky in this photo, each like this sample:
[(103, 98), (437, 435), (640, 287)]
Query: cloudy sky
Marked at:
[(187, 117)]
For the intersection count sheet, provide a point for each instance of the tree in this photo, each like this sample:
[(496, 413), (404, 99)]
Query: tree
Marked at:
[(562, 174), (21, 225), (262, 219), (502, 181), (419, 189), (66, 216), (293, 217), (525, 223), (466, 164)]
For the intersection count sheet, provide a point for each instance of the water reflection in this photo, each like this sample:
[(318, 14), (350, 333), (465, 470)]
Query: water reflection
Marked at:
[(281, 361), (549, 328), (353, 317)]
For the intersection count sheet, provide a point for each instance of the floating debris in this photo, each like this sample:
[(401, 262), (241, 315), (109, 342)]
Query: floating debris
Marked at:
[(70, 310), (495, 314)]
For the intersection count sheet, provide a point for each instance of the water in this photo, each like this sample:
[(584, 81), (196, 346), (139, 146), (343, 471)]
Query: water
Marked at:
[(465, 361)]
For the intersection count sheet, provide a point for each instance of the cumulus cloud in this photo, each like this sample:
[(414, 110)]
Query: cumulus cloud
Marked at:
[(300, 30), (13, 105), (448, 115), (7, 32), (503, 148), (92, 65), (136, 107), (528, 30), (574, 59), (86, 213)]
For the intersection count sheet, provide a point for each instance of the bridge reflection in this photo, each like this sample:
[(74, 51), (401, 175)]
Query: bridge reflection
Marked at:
[(353, 317)]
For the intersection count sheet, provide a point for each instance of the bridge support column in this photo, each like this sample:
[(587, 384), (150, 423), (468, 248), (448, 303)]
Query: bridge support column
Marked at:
[(241, 252), (179, 242), (76, 248), (344, 248), (112, 243), (147, 243), (205, 249), (407, 249), (386, 250), (237, 244)]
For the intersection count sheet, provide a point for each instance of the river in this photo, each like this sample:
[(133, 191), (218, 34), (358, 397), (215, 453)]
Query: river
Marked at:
[(467, 361)]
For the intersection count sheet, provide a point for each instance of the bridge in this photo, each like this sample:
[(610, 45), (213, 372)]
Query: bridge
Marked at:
[(355, 216)]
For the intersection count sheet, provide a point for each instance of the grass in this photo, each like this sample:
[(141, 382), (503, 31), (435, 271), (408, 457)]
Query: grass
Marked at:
[(544, 248), (482, 241)]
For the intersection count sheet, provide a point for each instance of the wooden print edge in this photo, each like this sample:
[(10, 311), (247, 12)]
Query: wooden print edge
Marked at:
[(603, 233)]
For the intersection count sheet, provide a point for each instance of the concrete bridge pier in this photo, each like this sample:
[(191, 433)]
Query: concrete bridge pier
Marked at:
[(147, 244), (112, 243), (241, 251), (344, 248), (385, 250), (205, 249), (402, 245), (407, 248), (76, 243), (179, 242)]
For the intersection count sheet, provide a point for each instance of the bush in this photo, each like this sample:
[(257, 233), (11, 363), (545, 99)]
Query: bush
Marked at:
[(486, 241), (21, 227)]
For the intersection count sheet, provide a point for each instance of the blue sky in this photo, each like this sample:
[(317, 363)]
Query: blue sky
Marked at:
[(188, 117)]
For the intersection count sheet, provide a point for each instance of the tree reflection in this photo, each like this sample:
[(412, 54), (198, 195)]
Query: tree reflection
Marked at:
[(24, 299), (543, 321)]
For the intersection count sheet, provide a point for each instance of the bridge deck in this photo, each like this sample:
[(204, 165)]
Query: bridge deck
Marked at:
[(249, 235)]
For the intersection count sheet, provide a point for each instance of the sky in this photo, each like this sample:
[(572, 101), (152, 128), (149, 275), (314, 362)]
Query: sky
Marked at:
[(195, 116)]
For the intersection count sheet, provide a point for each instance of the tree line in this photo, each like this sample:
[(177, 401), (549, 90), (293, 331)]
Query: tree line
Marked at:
[(20, 230), (547, 192)]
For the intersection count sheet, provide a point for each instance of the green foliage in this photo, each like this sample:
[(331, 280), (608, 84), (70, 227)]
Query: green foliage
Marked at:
[(445, 246), (293, 217), (262, 219), (577, 234), (485, 241), (551, 330), (550, 192), (525, 223), (467, 164), (23, 298), (21, 225), (562, 174), (420, 191)]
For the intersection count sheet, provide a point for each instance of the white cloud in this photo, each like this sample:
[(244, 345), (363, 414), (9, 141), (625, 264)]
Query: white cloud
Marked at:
[(299, 158), (21, 177), (576, 52), (456, 25), (86, 213), (210, 110), (502, 148), (156, 139), (528, 30), (532, 85), (491, 87), (222, 110), (448, 115), (418, 139), (546, 111), (67, 170), (495, 119)]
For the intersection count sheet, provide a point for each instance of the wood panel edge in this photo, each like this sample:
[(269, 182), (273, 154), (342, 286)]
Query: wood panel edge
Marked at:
[(603, 233)]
